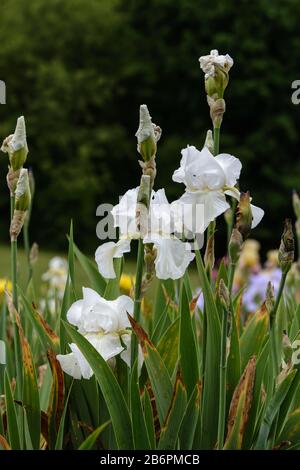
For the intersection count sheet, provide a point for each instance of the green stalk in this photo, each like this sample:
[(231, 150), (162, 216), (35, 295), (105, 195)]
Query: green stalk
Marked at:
[(232, 267), (13, 253), (222, 386), (14, 272), (216, 140), (17, 346), (231, 223), (273, 313), (137, 296)]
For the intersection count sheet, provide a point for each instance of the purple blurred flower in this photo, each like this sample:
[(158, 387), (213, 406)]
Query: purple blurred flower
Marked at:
[(255, 292)]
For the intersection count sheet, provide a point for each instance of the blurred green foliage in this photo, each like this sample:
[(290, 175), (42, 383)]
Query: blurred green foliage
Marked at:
[(79, 69)]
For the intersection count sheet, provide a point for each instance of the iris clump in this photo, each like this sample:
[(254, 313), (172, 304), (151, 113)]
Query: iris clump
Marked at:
[(154, 363)]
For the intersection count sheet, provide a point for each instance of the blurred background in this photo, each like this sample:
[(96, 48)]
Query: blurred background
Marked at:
[(78, 70)]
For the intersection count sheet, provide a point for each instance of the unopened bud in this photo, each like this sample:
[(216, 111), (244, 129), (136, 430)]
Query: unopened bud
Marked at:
[(287, 247), (16, 145), (244, 215), (217, 109), (270, 297), (147, 135), (209, 141), (150, 253), (143, 201), (22, 194), (224, 294), (235, 245), (22, 203), (216, 68)]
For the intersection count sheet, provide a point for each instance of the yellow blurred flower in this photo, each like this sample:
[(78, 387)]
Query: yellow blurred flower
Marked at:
[(126, 282), (272, 259), (250, 254), (5, 284)]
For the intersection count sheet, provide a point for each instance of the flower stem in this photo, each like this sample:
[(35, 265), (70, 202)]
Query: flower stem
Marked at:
[(13, 253), (216, 140), (231, 223), (17, 346), (231, 272), (273, 313), (137, 296), (222, 385)]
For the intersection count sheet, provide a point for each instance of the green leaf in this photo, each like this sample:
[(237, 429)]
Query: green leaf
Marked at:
[(98, 283), (28, 441), (149, 419), (233, 361), (31, 398), (272, 410), (160, 299), (71, 257), (56, 400), (139, 428), (254, 335), (110, 388), (60, 434), (168, 347), (239, 408), (291, 430), (257, 396), (288, 402), (210, 399), (91, 440), (188, 349), (170, 429), (47, 336), (190, 419), (157, 371), (12, 421)]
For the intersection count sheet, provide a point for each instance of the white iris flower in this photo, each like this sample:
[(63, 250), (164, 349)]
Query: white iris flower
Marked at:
[(104, 323)]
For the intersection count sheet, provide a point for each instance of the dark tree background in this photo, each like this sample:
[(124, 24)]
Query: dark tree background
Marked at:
[(78, 70)]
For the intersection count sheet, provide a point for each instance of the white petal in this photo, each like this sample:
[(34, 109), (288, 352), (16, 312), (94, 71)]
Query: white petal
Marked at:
[(100, 317), (108, 345), (122, 305), (85, 368), (124, 214), (74, 313), (75, 363), (106, 253), (90, 297), (199, 170), (201, 208), (233, 192), (69, 365), (173, 257), (160, 216), (231, 166), (258, 214), (126, 354)]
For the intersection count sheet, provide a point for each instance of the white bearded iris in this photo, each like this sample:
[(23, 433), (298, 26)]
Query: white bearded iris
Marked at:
[(207, 179), (105, 325), (208, 63), (173, 255)]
